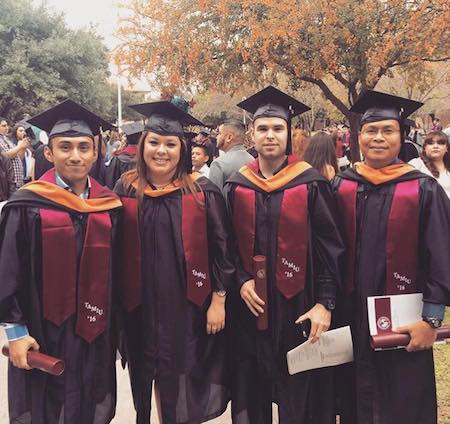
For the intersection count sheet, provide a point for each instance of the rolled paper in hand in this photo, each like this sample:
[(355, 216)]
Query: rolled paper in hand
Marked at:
[(260, 275), (395, 340), (40, 361)]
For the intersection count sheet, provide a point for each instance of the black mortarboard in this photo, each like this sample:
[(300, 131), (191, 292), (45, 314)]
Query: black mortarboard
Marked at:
[(133, 130), (273, 103), (376, 106), (409, 123), (164, 118), (71, 119)]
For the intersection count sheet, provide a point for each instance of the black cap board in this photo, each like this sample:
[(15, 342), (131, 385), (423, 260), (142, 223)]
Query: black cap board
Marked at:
[(376, 106), (70, 119), (273, 103), (164, 118), (133, 130)]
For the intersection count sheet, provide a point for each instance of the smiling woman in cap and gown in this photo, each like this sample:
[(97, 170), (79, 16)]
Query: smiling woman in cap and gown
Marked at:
[(282, 209), (176, 273), (396, 224), (56, 241)]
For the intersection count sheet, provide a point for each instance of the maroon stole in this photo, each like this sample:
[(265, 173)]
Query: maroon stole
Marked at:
[(195, 247), (292, 239), (401, 237), (61, 299)]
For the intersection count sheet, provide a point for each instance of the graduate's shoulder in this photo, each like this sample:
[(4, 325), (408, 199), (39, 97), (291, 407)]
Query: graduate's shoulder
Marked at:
[(206, 185)]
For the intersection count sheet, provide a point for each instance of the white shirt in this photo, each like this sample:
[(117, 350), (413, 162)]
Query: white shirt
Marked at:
[(444, 177), (204, 170)]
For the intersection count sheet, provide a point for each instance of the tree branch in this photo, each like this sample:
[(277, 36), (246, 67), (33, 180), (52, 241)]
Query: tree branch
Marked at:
[(338, 103)]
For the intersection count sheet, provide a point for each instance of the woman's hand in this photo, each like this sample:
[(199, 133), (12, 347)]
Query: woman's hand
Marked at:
[(215, 316)]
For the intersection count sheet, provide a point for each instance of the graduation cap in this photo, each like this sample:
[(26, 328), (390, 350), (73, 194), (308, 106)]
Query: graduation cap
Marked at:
[(273, 103), (133, 130), (71, 119), (376, 106), (164, 118)]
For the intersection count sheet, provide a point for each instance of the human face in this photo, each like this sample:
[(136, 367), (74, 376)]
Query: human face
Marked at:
[(270, 137), (221, 137), (380, 142), (199, 157), (161, 155), (435, 149), (72, 157), (3, 128), (20, 133)]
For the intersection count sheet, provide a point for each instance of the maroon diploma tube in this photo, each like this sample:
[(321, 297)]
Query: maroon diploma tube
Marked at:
[(394, 340), (260, 275), (40, 361)]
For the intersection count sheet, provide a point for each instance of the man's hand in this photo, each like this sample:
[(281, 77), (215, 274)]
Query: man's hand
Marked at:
[(320, 319), (18, 350), (215, 316), (249, 296), (421, 333)]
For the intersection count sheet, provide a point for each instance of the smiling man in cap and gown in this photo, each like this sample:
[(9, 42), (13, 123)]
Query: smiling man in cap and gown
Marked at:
[(282, 209), (396, 225), (56, 240)]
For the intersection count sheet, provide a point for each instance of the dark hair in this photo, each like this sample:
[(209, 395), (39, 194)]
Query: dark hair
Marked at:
[(321, 152), (3, 119), (236, 127), (208, 149), (429, 139), (139, 173)]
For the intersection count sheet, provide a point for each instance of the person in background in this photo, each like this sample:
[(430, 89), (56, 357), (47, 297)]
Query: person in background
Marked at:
[(300, 141), (437, 126), (22, 131), (7, 186), (230, 139), (200, 159), (125, 159), (321, 154), (435, 159), (410, 149)]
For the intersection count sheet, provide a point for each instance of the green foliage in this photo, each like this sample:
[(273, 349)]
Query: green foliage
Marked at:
[(43, 62)]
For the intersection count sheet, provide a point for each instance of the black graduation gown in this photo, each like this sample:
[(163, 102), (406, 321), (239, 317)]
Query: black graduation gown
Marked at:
[(165, 337), (394, 386), (86, 391), (117, 166), (261, 375)]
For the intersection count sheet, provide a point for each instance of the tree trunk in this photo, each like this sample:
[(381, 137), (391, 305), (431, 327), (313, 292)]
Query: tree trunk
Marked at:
[(354, 120)]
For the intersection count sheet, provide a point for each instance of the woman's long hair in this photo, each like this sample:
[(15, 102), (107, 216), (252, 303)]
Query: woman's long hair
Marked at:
[(429, 139), (182, 172), (321, 152), (300, 141)]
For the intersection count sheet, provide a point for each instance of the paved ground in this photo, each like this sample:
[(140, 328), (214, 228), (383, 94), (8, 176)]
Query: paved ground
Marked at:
[(125, 411)]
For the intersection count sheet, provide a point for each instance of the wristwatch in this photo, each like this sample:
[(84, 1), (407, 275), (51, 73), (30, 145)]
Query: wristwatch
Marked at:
[(329, 304), (221, 293), (433, 322)]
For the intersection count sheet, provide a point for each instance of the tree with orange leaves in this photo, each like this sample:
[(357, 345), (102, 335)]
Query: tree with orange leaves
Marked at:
[(224, 44)]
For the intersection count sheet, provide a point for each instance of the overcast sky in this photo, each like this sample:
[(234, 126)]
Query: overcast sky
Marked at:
[(80, 13)]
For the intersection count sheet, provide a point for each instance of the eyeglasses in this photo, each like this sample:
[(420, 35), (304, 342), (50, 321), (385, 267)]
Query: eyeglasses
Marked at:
[(385, 132), (431, 142)]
